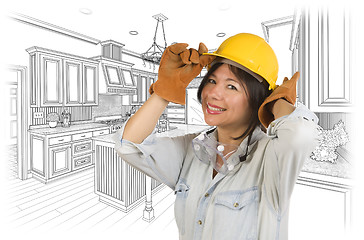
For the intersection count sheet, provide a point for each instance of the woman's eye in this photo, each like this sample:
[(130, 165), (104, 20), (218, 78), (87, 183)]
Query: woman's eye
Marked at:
[(232, 87), (211, 81)]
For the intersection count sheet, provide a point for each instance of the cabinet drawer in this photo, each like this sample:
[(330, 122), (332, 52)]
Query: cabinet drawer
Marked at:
[(176, 110), (81, 147), (175, 115), (83, 161), (100, 132), (59, 140), (81, 136), (177, 120)]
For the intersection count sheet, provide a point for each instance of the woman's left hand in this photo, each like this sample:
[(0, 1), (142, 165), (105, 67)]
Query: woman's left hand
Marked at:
[(286, 91)]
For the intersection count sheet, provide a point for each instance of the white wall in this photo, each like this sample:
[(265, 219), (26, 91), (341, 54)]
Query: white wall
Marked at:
[(19, 36)]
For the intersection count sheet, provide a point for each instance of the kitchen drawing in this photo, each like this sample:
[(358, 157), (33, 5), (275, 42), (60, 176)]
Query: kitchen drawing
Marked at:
[(69, 89)]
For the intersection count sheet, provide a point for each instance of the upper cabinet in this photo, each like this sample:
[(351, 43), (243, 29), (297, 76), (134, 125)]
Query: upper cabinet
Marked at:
[(60, 79), (51, 83), (322, 55), (143, 81), (73, 82), (90, 84)]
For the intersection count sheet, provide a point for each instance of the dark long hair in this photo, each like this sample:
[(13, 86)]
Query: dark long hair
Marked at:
[(257, 93)]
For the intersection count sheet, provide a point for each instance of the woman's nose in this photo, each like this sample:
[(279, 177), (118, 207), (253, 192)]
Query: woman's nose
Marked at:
[(216, 92)]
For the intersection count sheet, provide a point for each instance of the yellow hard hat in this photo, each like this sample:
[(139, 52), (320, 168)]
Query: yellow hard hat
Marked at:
[(253, 53)]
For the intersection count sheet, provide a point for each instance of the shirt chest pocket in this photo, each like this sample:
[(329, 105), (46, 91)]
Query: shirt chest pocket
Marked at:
[(181, 191), (236, 214)]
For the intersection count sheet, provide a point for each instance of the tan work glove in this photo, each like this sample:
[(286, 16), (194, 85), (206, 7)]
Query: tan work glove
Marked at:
[(178, 67), (287, 91)]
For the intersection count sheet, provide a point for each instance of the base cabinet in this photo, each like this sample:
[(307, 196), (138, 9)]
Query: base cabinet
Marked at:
[(320, 209), (57, 155), (60, 160)]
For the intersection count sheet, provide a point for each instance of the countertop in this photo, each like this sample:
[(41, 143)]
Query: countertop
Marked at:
[(71, 128), (341, 168), (177, 130)]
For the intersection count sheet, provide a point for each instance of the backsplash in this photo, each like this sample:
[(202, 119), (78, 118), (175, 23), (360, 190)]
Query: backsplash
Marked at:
[(77, 113), (110, 105)]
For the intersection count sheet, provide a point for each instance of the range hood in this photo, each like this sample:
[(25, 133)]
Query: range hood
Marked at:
[(115, 75)]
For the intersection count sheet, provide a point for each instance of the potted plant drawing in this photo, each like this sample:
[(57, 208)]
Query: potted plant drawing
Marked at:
[(52, 119)]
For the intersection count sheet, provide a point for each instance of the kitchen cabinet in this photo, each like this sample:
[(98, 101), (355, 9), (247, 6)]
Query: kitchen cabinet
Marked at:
[(51, 89), (134, 99), (122, 186), (80, 83), (90, 84), (143, 81), (117, 183), (320, 207), (73, 82), (62, 151), (61, 79), (176, 113), (322, 56), (59, 160)]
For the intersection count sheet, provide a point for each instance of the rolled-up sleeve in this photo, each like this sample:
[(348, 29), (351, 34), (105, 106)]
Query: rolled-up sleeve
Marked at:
[(158, 157), (293, 139)]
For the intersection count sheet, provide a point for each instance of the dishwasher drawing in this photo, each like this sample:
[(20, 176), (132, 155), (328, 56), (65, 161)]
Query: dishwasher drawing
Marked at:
[(71, 84)]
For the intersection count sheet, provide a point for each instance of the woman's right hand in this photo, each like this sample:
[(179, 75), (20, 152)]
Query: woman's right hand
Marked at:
[(178, 67)]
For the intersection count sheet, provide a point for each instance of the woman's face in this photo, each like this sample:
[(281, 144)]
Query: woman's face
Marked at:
[(225, 100)]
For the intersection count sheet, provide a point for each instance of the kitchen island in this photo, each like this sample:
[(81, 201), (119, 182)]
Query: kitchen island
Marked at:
[(122, 186), (323, 190)]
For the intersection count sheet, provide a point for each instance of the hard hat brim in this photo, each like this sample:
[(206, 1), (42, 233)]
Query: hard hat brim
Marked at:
[(223, 59)]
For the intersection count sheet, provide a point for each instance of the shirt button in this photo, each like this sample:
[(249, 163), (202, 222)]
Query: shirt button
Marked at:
[(236, 204), (206, 195), (199, 222)]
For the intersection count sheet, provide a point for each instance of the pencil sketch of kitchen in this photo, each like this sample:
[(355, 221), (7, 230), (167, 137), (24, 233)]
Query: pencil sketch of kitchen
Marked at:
[(69, 91)]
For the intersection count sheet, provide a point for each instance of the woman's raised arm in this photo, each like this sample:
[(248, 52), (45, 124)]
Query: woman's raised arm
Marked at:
[(143, 122)]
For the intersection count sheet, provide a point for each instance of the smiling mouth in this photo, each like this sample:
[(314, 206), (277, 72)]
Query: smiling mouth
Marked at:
[(215, 108)]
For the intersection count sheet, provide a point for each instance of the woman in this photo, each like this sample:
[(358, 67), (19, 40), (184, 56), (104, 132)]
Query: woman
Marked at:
[(235, 180)]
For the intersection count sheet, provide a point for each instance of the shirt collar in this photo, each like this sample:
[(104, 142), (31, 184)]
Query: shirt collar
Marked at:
[(234, 158)]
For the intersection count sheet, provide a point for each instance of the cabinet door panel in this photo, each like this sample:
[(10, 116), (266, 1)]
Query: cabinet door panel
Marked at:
[(134, 98), (143, 88), (51, 75), (324, 55), (37, 149), (60, 160), (90, 85), (51, 80), (333, 55), (73, 84), (319, 211)]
